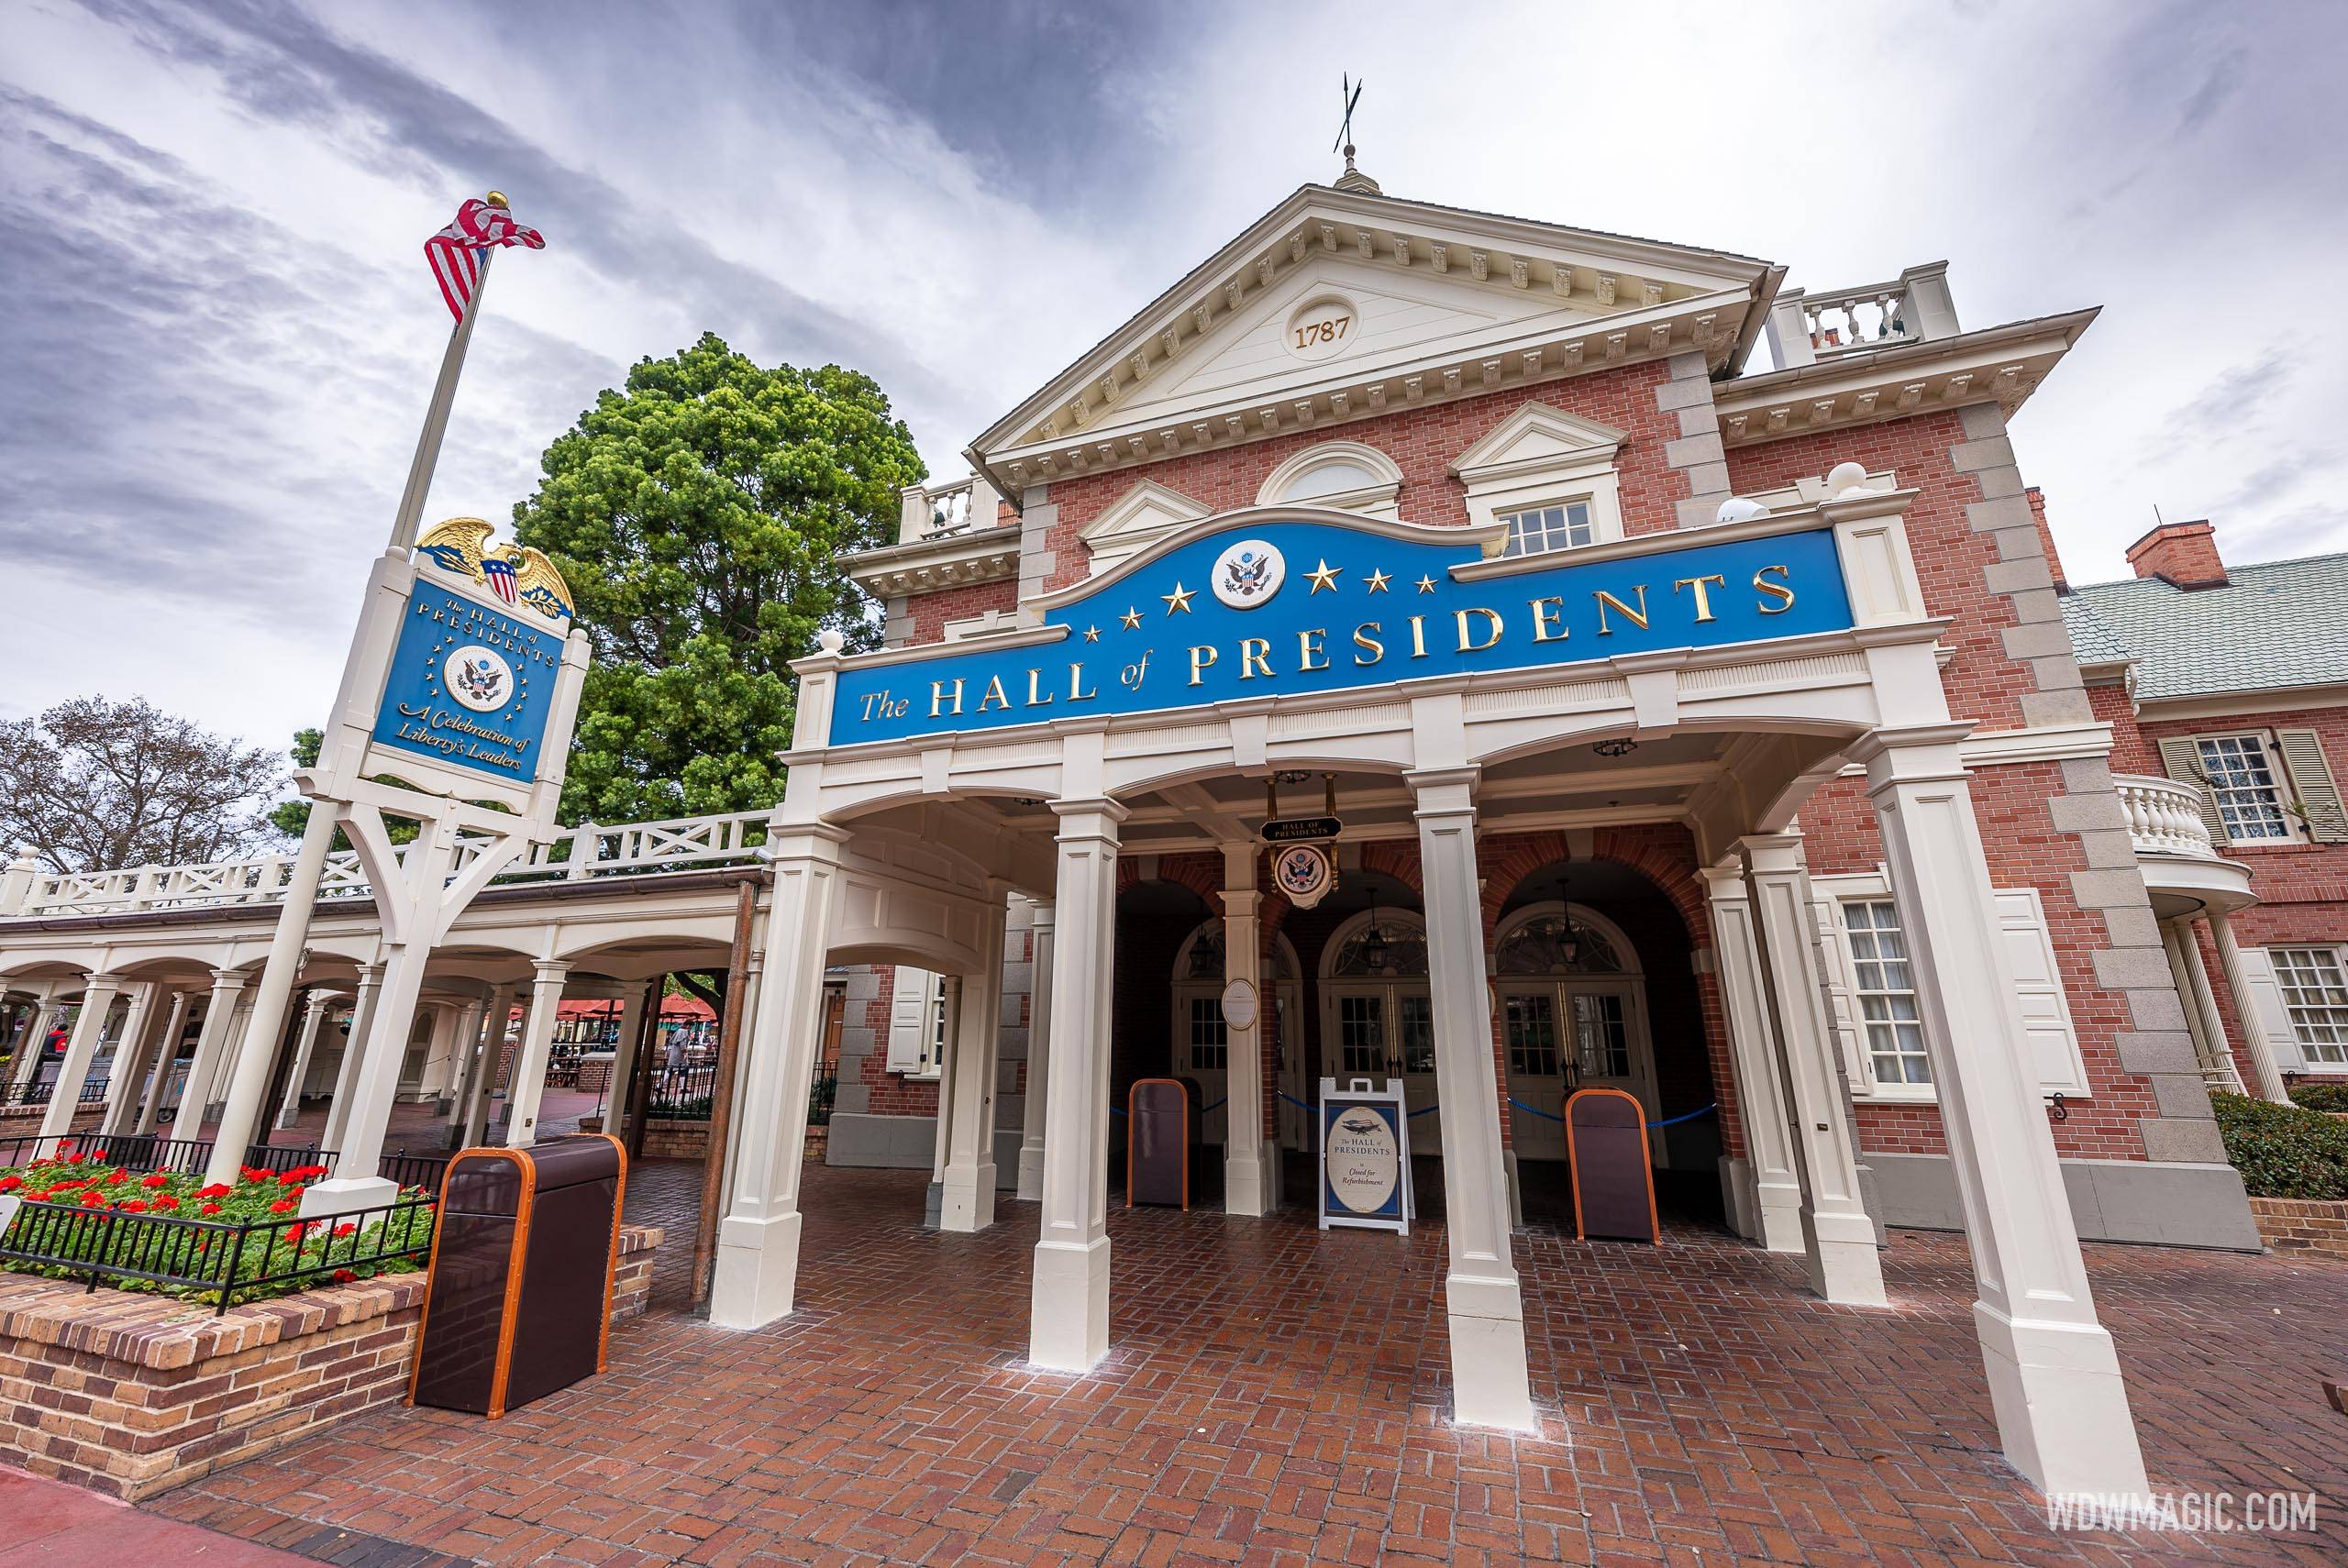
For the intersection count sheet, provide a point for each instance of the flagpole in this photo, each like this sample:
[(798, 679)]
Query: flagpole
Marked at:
[(435, 416)]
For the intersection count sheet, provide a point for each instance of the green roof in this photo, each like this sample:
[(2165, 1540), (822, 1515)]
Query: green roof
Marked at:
[(2274, 626)]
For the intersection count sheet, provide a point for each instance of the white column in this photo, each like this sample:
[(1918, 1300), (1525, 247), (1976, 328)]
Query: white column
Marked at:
[(97, 1000), (1484, 1305), (354, 1049), (138, 1023), (974, 1064), (2054, 1375), (949, 995), (240, 1027), (131, 1056), (1039, 1053), (638, 1001), (484, 1080), (219, 1019), (440, 1050), (167, 1050), (757, 1242), (35, 1038), (1250, 1167), (314, 1014), (2263, 1070), (1775, 1186), (1069, 1312), (529, 1083), (1838, 1239), (2203, 1020)]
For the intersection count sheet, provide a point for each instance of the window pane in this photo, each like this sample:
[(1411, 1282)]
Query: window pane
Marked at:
[(1601, 1044), (1531, 1023), (1885, 997), (2242, 778), (2315, 994), (1210, 1040), (1540, 528), (1415, 1018), (1361, 1034)]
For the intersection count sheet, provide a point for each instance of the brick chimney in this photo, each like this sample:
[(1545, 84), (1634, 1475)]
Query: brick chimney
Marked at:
[(2037, 498), (2183, 554)]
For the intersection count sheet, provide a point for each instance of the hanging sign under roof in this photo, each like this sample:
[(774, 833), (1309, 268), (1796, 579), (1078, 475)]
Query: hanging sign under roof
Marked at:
[(1271, 608)]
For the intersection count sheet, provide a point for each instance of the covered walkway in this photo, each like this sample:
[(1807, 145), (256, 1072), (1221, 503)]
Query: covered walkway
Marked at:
[(1277, 1395)]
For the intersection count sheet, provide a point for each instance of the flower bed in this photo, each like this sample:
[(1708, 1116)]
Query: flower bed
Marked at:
[(77, 1216)]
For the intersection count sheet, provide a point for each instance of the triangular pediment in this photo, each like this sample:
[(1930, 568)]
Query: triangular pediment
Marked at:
[(1536, 436), (1136, 520), (1426, 301)]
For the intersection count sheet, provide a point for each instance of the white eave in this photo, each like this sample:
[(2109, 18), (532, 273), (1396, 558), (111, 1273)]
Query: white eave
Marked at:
[(925, 566), (2000, 364)]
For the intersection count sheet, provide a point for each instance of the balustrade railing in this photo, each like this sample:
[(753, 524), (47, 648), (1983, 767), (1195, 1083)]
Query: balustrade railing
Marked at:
[(2165, 817), (587, 851), (1858, 318)]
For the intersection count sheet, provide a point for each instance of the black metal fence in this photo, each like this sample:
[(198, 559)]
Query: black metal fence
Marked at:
[(39, 1092), (229, 1261), (188, 1156), (683, 1092)]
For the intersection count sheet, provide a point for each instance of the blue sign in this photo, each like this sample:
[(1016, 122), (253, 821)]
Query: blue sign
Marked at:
[(1365, 1156), (470, 686), (1264, 609)]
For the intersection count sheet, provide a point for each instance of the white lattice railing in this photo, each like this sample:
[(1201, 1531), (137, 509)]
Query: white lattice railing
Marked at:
[(587, 851), (2165, 817)]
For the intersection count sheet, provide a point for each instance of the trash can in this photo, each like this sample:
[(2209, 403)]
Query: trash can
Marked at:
[(518, 1301), (1160, 1119)]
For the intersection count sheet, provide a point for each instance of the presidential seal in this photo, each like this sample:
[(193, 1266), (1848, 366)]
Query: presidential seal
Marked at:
[(1248, 573), (478, 678), (1304, 874)]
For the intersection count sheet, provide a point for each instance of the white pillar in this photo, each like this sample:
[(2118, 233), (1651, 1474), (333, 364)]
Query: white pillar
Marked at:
[(1250, 1161), (131, 1056), (757, 1242), (440, 1050), (2055, 1384), (2203, 1020), (219, 1019), (167, 1051), (1040, 1052), (1069, 1311), (354, 1048), (529, 1083), (314, 1015), (1838, 1239), (97, 998), (35, 1038), (484, 1080), (1773, 1185), (973, 1064), (2263, 1069), (639, 1000), (1484, 1305)]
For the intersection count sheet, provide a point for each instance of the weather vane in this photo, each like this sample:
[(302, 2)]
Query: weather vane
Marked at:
[(1350, 94)]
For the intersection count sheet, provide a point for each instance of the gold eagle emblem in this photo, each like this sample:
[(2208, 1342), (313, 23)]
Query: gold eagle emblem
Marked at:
[(519, 574)]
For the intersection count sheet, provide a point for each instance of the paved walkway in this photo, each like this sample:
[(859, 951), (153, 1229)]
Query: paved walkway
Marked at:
[(1277, 1396), (50, 1524)]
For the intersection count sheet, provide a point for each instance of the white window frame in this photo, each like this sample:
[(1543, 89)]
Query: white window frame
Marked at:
[(919, 1009), (1379, 498), (2337, 956), (1567, 507), (2278, 773), (1869, 1024), (1541, 456)]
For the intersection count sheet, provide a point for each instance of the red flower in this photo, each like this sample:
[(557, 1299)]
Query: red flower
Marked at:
[(11, 1183), (165, 1203), (294, 1233), (255, 1174), (209, 1208), (158, 1179), (115, 1179), (132, 1206), (74, 1158), (344, 1277), (217, 1190), (282, 1207), (346, 1230), (293, 1192), (94, 1199)]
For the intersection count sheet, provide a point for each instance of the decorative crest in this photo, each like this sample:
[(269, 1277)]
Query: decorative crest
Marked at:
[(519, 574)]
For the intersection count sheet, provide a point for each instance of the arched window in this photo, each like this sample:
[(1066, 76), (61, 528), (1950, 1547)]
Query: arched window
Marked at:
[(1379, 945), (1345, 475), (1553, 942)]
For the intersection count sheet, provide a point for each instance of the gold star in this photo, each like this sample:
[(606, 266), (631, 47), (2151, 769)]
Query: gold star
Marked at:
[(1378, 581), (1177, 601), (1323, 576), (1132, 618), (1092, 634), (1427, 585)]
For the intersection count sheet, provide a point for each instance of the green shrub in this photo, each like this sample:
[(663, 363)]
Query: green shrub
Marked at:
[(2283, 1151), (2320, 1097)]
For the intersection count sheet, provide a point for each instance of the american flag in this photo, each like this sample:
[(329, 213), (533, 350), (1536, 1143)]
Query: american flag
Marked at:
[(458, 251)]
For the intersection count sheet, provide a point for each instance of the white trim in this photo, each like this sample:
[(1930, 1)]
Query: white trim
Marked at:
[(2032, 742), (1136, 520), (2228, 706), (1541, 456), (1376, 500)]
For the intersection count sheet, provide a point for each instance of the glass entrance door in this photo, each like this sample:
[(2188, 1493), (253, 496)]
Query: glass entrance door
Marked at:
[(1385, 1030), (1535, 1070)]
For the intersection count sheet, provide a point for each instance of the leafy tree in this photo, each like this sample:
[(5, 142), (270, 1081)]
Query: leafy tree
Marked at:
[(91, 785), (698, 514)]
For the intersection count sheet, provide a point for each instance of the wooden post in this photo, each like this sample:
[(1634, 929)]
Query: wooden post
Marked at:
[(721, 1093)]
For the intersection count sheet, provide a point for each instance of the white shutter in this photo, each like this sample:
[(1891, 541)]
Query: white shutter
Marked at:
[(912, 1001), (2038, 986), (2267, 1012), (1839, 978), (2311, 782)]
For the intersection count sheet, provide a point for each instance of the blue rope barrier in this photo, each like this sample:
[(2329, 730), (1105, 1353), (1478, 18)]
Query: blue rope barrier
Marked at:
[(1667, 1121)]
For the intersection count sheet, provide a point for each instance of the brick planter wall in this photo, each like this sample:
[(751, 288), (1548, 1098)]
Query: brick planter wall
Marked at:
[(2302, 1225), (669, 1139), (134, 1395)]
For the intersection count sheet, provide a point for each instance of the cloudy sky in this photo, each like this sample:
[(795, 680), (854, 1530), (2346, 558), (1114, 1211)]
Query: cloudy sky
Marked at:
[(219, 334)]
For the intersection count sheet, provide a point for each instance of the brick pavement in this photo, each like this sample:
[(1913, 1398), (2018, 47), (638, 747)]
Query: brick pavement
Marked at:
[(1277, 1396)]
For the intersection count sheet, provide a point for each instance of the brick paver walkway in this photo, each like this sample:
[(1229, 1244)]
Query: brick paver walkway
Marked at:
[(1278, 1396)]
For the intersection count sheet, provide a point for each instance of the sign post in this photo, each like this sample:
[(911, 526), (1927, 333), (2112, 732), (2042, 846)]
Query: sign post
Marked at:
[(1366, 1156)]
